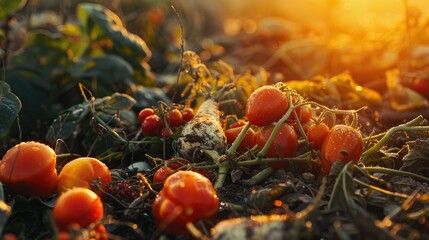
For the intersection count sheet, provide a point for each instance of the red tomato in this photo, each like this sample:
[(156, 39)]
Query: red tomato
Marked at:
[(175, 118), (304, 113), (187, 196), (188, 114), (421, 86), (165, 133), (266, 105), (247, 142), (285, 143), (28, 169), (305, 125), (239, 123), (317, 133), (151, 125), (144, 113), (161, 174), (81, 172), (77, 206), (99, 232), (177, 163), (343, 143)]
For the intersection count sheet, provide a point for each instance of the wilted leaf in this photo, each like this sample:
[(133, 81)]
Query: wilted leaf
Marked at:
[(119, 101), (417, 158), (10, 105)]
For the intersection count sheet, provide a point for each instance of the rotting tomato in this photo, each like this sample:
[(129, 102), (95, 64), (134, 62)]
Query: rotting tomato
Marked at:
[(144, 113), (161, 174), (174, 118), (28, 169), (77, 206), (284, 145), (317, 133), (151, 125), (266, 105), (247, 142), (187, 197), (82, 172), (343, 143)]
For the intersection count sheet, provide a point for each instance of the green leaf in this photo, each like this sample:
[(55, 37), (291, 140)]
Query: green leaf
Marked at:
[(119, 101), (106, 69), (10, 105), (99, 23), (417, 158), (8, 6)]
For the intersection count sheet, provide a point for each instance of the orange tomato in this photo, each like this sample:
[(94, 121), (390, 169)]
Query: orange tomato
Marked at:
[(79, 206), (81, 172), (28, 169)]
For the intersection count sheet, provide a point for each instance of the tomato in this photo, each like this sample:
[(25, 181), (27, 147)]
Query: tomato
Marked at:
[(151, 125), (77, 206), (187, 114), (239, 123), (305, 125), (187, 196), (421, 86), (81, 172), (266, 105), (28, 169), (343, 143), (165, 133), (284, 145), (317, 133), (161, 174), (99, 232), (174, 118), (247, 142), (174, 163), (144, 113), (304, 113)]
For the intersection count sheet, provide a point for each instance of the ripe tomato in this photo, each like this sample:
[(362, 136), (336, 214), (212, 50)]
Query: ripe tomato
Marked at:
[(285, 143), (247, 142), (81, 172), (28, 169), (144, 113), (99, 232), (239, 123), (77, 206), (421, 86), (187, 196), (165, 133), (266, 105), (188, 114), (317, 133), (151, 125), (161, 174), (304, 113), (174, 118), (343, 143)]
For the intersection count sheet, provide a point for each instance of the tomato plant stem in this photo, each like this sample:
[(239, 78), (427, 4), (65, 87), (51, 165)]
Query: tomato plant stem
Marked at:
[(262, 175), (396, 172), (231, 150), (381, 190)]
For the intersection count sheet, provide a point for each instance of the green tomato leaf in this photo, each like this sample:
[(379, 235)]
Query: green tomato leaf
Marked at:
[(99, 23), (10, 105), (8, 6), (119, 101), (106, 69)]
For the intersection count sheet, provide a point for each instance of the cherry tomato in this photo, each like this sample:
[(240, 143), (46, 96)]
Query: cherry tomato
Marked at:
[(343, 143), (28, 169), (77, 206), (305, 125), (175, 118), (165, 133), (99, 232), (188, 114), (421, 86), (247, 142), (304, 113), (144, 113), (161, 174), (177, 163), (317, 133), (81, 172), (284, 145), (266, 105), (187, 196), (151, 125), (239, 123)]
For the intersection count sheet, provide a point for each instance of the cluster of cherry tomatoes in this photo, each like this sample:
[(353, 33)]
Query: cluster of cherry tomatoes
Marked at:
[(269, 104), (163, 123)]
